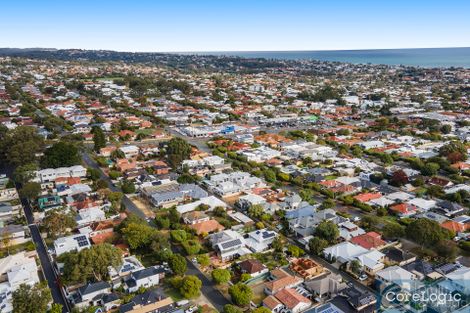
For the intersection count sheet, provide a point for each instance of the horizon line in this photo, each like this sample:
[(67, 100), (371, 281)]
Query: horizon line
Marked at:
[(239, 51)]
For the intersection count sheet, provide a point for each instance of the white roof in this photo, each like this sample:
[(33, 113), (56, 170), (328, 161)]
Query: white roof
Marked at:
[(399, 195), (422, 203), (397, 275), (382, 201), (345, 250), (371, 259), (346, 180), (211, 201), (130, 148)]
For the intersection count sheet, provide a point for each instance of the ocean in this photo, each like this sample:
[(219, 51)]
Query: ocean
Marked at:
[(431, 57)]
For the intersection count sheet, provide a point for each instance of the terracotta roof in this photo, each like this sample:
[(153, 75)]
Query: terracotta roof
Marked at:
[(102, 238), (454, 226), (291, 298), (403, 208), (207, 227), (366, 197), (252, 266), (282, 283), (369, 240), (271, 302)]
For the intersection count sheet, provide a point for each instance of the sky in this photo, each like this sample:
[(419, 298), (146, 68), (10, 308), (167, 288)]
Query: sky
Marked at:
[(234, 25)]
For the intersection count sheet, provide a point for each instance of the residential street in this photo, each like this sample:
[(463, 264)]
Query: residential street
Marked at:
[(47, 267), (208, 287)]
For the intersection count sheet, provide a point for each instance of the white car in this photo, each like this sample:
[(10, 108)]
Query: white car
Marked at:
[(363, 277), (191, 309)]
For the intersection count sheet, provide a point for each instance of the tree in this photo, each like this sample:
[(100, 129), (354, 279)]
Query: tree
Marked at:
[(179, 235), (355, 266), (277, 244), (430, 169), (241, 294), (90, 264), (446, 129), (24, 173), (128, 187), (317, 245), (61, 154), (162, 222), (56, 308), (230, 308), (221, 276), (327, 230), (31, 299), (435, 191), (261, 309), (452, 147), (192, 247), (99, 139), (269, 175), (178, 264), (393, 231), (447, 249), (295, 251), (256, 211), (203, 260), (426, 232), (138, 235), (190, 287), (177, 151), (93, 173), (56, 222), (30, 190), (328, 204), (399, 178), (244, 277), (20, 146)]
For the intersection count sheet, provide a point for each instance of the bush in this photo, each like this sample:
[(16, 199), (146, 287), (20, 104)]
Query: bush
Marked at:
[(241, 294), (190, 287), (221, 276)]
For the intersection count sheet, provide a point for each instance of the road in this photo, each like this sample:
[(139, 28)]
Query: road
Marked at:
[(46, 264), (200, 143), (130, 206), (208, 289)]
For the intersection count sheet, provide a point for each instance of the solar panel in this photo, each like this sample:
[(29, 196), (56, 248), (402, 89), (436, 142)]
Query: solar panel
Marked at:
[(231, 243), (268, 234), (82, 241)]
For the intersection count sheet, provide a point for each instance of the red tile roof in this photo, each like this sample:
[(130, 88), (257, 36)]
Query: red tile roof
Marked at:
[(370, 240)]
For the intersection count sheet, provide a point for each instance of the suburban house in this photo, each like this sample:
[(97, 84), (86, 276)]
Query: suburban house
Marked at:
[(288, 299), (50, 174), (398, 276), (280, 279), (228, 244), (146, 278), (89, 294), (129, 265), (326, 286), (253, 267), (150, 301), (260, 240), (306, 268), (70, 243), (15, 270)]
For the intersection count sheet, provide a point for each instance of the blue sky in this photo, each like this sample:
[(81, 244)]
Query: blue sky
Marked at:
[(229, 25)]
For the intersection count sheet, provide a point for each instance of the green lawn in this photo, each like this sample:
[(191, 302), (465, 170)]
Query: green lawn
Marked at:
[(145, 131)]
